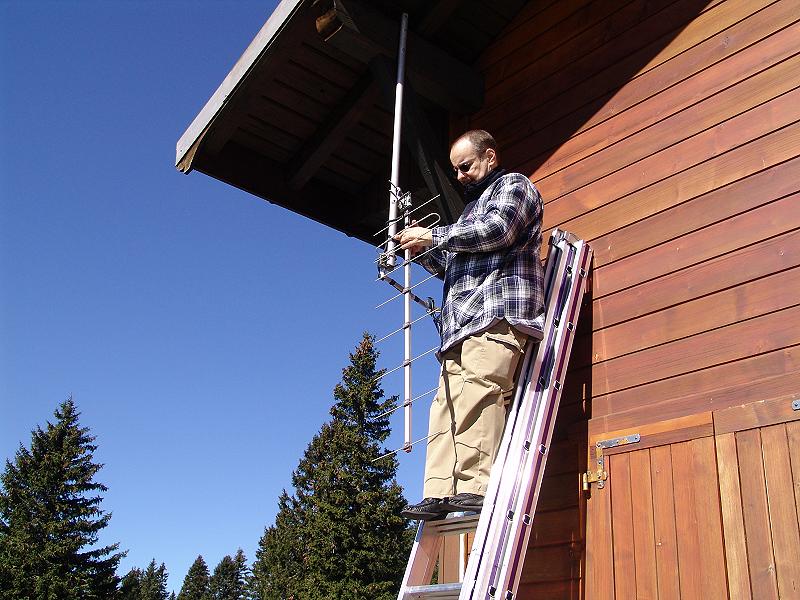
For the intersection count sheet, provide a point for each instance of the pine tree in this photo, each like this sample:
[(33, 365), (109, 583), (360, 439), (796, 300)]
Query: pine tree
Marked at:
[(341, 533), (195, 585), (153, 583), (50, 517), (229, 581)]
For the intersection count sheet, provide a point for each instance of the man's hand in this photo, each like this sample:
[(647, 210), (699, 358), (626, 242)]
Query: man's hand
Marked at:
[(414, 238)]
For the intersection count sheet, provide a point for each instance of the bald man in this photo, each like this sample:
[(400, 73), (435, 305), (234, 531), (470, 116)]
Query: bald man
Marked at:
[(492, 308)]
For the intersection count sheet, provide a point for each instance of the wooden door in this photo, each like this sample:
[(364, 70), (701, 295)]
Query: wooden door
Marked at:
[(705, 506)]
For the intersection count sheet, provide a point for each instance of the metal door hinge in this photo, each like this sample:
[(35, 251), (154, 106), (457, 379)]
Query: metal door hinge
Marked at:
[(600, 475)]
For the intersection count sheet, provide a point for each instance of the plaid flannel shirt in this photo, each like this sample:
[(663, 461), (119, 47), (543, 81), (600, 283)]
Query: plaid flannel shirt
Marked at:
[(489, 260)]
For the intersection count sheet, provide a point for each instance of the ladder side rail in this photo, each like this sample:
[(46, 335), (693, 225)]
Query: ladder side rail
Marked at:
[(484, 547), (535, 404), (508, 581), (421, 562), (490, 501)]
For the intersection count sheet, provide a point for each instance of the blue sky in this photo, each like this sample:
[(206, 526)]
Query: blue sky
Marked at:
[(200, 330)]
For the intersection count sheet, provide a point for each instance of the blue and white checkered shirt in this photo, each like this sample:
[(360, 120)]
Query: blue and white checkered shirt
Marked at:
[(489, 260)]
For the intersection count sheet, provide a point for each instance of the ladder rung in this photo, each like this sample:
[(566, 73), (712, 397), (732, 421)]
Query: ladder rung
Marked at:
[(452, 525), (441, 590)]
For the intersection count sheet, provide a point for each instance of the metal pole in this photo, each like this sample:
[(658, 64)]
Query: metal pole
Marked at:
[(393, 198)]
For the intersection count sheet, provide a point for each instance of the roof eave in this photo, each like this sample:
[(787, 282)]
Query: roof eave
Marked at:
[(258, 49)]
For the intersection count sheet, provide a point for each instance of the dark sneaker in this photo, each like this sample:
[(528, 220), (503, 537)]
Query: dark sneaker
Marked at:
[(427, 510), (463, 503)]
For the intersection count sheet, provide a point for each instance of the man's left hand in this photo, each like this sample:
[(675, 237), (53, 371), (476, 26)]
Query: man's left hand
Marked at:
[(414, 238)]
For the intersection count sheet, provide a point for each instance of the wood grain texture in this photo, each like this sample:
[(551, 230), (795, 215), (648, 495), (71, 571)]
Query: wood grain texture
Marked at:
[(740, 303), (772, 374), (763, 582), (641, 202), (709, 523), (553, 118), (622, 520), (643, 527), (669, 163), (664, 526), (689, 546), (793, 438), (599, 538), (765, 258), (733, 342), (735, 198), (756, 414), (732, 520), (782, 509), (764, 222), (705, 100)]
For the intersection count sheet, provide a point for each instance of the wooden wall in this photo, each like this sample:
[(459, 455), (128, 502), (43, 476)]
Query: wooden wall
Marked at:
[(667, 134)]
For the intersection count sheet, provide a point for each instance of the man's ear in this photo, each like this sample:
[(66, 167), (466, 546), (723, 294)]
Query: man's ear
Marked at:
[(491, 156)]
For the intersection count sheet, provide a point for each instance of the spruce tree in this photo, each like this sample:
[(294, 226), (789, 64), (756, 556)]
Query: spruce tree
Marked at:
[(50, 517), (153, 583), (131, 585), (229, 581), (341, 532), (195, 584)]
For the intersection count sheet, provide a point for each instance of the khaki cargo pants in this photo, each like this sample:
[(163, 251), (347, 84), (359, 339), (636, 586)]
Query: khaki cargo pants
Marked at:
[(468, 414)]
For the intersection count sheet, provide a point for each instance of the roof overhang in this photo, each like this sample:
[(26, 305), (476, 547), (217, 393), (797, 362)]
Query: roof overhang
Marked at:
[(304, 118)]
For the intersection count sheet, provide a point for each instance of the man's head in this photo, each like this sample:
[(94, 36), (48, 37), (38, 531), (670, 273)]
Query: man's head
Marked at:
[(474, 155)]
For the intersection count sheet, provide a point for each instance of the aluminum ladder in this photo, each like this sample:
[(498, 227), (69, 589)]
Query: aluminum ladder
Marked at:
[(501, 532)]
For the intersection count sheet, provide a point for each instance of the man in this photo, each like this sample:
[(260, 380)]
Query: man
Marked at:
[(492, 307)]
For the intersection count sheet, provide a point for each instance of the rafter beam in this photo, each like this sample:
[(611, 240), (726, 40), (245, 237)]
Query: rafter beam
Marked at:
[(333, 132), (364, 33), (438, 14)]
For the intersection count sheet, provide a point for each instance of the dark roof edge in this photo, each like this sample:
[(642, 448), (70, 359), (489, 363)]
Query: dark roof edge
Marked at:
[(188, 143)]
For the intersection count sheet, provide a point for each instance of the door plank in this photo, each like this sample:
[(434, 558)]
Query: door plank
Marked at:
[(793, 435), (709, 525), (782, 509), (665, 534), (643, 527), (689, 547), (733, 522), (622, 520), (599, 537), (756, 516)]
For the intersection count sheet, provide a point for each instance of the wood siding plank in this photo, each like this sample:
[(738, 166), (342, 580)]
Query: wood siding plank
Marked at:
[(733, 199), (753, 378), (672, 161), (732, 520), (747, 79), (737, 341), (598, 97), (740, 303), (770, 256), (622, 519), (664, 526), (782, 509), (643, 528), (703, 177), (756, 516), (761, 223)]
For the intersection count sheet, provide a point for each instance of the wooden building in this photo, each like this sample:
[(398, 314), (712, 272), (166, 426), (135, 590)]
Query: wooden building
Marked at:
[(664, 132)]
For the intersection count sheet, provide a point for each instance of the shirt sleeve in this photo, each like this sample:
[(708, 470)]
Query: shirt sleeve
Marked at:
[(434, 261), (514, 204)]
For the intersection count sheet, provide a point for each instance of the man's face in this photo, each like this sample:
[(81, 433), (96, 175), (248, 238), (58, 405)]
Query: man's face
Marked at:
[(470, 166)]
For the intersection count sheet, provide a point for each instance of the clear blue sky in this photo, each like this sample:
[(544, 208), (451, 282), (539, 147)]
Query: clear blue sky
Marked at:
[(200, 330)]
